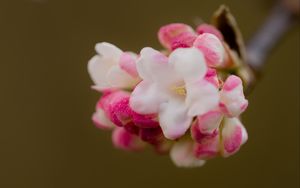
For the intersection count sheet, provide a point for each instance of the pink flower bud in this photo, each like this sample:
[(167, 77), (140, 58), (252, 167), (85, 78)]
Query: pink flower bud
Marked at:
[(145, 121), (212, 48), (205, 131), (198, 136), (132, 128), (122, 139), (115, 106), (208, 147), (184, 40), (168, 34), (206, 28), (233, 136), (151, 135), (232, 99), (206, 124)]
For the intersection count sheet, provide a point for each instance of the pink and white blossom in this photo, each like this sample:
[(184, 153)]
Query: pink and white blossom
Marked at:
[(175, 88), (181, 101)]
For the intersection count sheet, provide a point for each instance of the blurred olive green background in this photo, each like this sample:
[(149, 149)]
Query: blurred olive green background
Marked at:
[(47, 139)]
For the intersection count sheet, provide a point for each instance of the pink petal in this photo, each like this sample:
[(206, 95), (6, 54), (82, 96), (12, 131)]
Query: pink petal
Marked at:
[(145, 121), (205, 131), (212, 48), (212, 77), (168, 33), (206, 28), (209, 122), (128, 63), (232, 101), (208, 147), (198, 136), (184, 40), (231, 83), (122, 139), (233, 136)]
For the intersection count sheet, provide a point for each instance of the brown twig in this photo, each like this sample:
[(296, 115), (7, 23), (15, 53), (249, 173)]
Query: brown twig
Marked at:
[(276, 25)]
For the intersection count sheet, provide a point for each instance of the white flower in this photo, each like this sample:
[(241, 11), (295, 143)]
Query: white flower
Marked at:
[(112, 68), (175, 88)]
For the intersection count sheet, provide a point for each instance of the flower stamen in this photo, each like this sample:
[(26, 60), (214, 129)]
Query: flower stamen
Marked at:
[(180, 90)]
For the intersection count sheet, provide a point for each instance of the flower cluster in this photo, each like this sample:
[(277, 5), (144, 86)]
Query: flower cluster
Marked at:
[(183, 100)]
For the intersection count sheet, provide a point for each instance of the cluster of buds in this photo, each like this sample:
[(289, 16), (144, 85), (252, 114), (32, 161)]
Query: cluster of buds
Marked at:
[(185, 100)]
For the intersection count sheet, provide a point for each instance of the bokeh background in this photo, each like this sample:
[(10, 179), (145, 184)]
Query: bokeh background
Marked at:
[(47, 139)]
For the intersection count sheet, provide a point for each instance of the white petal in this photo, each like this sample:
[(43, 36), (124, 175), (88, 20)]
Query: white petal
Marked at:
[(109, 51), (173, 118), (201, 97), (101, 121), (182, 155), (116, 77), (189, 63), (97, 68), (146, 98), (99, 65), (153, 66)]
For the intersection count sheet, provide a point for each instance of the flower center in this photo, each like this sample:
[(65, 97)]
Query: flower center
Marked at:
[(180, 90)]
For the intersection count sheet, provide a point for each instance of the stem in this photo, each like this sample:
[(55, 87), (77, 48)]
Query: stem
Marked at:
[(275, 26)]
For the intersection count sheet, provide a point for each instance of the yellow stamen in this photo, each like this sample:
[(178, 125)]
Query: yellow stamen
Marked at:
[(180, 90)]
